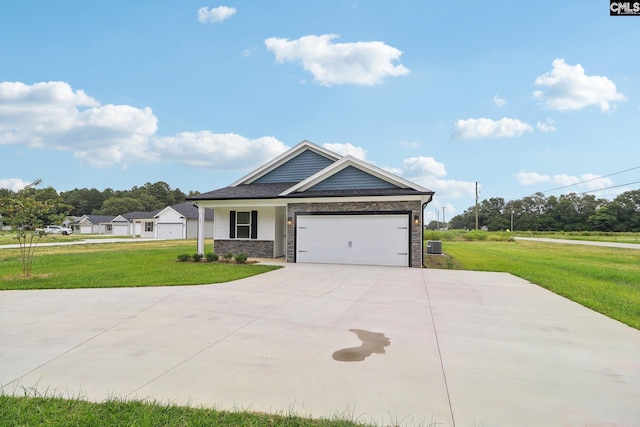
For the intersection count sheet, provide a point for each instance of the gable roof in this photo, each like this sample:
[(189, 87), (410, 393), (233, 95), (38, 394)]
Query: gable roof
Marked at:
[(308, 170), (286, 157), (186, 210), (97, 219), (350, 161), (246, 191)]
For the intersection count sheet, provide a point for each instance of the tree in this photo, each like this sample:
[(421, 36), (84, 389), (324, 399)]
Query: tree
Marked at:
[(27, 210), (602, 219), (119, 205), (84, 201), (626, 208)]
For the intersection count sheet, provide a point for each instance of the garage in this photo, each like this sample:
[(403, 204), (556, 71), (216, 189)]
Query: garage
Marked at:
[(370, 239), (170, 230)]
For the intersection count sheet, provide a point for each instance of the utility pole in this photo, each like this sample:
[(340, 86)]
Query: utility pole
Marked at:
[(444, 222), (476, 205), (437, 219)]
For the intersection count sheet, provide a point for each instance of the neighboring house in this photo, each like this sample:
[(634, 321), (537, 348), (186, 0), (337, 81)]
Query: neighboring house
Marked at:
[(173, 222), (313, 205), (141, 224), (181, 222), (92, 224)]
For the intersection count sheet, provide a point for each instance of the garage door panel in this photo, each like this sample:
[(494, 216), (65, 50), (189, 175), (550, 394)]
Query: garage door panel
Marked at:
[(169, 230), (353, 239)]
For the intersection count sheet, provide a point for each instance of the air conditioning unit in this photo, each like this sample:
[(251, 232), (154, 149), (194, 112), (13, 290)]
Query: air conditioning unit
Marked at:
[(434, 247)]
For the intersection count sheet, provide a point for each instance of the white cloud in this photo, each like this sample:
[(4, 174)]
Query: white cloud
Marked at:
[(347, 149), (13, 184), (228, 151), (488, 128), (567, 87), (573, 183), (452, 189), (360, 63), (428, 172), (422, 166), (499, 101), (531, 178), (216, 14), (546, 126), (53, 116)]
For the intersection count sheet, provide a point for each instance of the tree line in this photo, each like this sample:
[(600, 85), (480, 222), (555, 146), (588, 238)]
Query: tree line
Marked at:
[(568, 212), (85, 201)]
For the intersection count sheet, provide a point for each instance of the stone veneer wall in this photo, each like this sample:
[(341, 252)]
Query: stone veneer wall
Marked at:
[(253, 248), (415, 207)]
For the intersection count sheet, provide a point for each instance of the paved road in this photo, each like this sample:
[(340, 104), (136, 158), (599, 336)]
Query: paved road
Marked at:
[(582, 242), (87, 242), (427, 346)]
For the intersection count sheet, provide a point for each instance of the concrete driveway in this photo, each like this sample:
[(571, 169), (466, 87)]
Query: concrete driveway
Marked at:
[(392, 346)]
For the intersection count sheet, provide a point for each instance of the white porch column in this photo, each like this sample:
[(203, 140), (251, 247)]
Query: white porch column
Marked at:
[(201, 230)]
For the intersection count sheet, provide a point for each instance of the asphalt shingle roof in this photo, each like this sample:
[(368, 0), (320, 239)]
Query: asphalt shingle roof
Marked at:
[(246, 191)]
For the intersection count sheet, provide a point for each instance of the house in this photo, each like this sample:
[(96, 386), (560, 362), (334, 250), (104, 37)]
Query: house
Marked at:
[(136, 223), (313, 205), (92, 224), (173, 222), (181, 222)]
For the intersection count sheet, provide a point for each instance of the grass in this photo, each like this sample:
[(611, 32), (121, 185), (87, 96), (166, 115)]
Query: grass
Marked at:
[(117, 265), (585, 235), (467, 236), (57, 412), (8, 238), (604, 279)]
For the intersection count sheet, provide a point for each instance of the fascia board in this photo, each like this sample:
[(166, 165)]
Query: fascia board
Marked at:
[(283, 158), (398, 198), (212, 204), (346, 161)]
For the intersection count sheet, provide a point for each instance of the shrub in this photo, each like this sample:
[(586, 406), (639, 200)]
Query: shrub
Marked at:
[(241, 258), (184, 257), (197, 257), (211, 256), (228, 256)]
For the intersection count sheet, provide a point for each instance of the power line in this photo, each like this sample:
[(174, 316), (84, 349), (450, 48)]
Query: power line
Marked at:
[(609, 188), (590, 180)]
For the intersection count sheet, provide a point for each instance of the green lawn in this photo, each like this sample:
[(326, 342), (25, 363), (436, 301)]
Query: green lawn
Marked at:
[(8, 238), (585, 235), (606, 280), (117, 265), (54, 412)]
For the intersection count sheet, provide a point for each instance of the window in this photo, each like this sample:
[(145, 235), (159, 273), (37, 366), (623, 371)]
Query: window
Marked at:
[(108, 227), (148, 226), (243, 225)]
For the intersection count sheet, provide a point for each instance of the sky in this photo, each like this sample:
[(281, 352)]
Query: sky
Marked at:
[(519, 97)]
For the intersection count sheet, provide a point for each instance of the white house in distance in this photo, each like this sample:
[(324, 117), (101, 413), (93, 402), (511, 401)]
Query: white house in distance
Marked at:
[(313, 205), (181, 222), (92, 224), (173, 222)]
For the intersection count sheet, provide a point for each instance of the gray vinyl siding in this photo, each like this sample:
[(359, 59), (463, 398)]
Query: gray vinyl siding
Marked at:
[(297, 169), (351, 178)]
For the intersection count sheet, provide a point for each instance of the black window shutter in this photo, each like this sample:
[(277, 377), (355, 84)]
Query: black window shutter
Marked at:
[(232, 224), (254, 224)]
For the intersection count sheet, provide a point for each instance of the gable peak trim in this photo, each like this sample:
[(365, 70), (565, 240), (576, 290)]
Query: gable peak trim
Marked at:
[(345, 162), (285, 157)]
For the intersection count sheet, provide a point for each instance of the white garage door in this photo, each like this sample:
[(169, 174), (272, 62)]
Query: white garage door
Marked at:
[(120, 229), (169, 231), (353, 239)]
